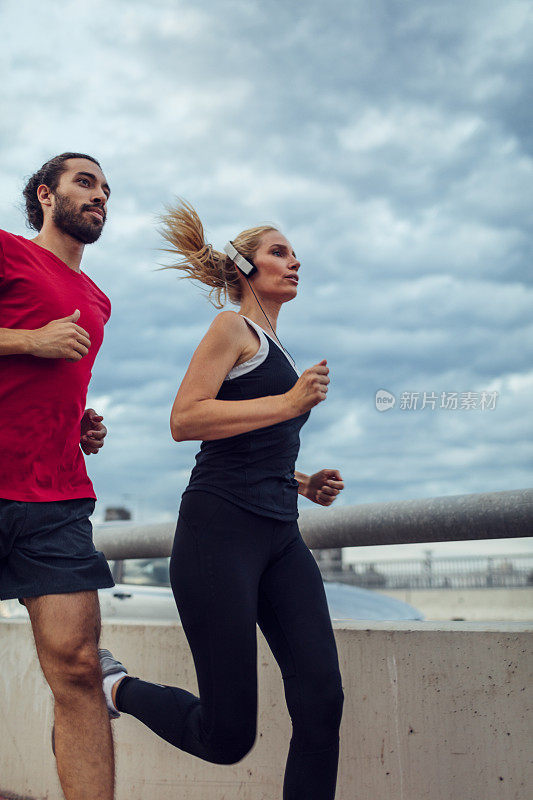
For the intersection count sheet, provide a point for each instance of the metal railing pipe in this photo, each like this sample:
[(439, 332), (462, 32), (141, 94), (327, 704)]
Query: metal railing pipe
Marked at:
[(494, 515)]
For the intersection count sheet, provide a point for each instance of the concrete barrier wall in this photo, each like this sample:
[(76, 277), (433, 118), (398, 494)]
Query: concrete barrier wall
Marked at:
[(497, 604), (432, 710)]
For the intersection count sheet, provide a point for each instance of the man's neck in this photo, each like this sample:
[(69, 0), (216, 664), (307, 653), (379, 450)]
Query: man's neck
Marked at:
[(61, 245)]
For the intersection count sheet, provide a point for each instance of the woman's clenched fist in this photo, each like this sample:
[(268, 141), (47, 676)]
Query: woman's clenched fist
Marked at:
[(310, 388)]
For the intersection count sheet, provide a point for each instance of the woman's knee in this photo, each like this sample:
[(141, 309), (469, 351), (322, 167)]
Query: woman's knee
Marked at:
[(317, 710), (329, 701), (230, 749)]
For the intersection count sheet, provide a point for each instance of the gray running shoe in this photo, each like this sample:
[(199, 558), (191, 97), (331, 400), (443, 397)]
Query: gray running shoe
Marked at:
[(110, 666)]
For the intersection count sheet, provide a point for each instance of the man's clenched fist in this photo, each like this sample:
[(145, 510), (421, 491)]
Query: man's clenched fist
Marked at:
[(61, 338), (92, 432)]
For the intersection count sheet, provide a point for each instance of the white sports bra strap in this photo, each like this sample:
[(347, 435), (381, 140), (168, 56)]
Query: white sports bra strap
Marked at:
[(256, 359)]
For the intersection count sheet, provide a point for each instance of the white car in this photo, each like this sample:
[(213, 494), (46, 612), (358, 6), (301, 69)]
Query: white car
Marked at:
[(142, 592)]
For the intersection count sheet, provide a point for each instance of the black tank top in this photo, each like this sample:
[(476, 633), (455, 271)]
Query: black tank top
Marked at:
[(255, 470)]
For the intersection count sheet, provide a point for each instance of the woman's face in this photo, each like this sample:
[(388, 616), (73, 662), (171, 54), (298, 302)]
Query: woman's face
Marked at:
[(277, 268)]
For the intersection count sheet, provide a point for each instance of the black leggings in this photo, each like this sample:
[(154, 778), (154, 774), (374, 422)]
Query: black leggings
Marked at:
[(231, 568)]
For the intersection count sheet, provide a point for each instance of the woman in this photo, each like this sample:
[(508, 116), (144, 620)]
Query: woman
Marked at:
[(238, 557)]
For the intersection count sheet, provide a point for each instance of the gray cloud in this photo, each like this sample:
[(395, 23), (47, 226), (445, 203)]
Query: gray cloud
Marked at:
[(391, 142)]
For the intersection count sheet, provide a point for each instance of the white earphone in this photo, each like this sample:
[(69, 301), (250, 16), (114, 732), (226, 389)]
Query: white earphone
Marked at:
[(245, 267)]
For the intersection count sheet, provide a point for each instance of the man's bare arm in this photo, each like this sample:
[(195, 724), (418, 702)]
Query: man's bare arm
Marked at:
[(61, 338), (14, 342)]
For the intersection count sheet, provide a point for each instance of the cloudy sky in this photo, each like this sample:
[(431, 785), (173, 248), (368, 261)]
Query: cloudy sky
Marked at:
[(390, 141)]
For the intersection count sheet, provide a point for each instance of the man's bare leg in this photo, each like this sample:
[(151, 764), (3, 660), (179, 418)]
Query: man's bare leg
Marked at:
[(66, 628)]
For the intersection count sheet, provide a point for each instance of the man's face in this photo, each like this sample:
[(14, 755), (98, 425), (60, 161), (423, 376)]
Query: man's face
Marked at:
[(80, 200)]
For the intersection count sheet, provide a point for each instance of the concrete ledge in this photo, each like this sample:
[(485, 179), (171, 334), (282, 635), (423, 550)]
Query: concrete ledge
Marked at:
[(500, 604), (432, 710)]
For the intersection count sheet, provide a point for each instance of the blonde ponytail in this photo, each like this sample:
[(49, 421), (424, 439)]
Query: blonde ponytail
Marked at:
[(182, 229)]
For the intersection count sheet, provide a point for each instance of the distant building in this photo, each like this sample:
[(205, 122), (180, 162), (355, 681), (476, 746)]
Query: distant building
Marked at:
[(332, 569), (452, 572), (113, 513), (329, 562)]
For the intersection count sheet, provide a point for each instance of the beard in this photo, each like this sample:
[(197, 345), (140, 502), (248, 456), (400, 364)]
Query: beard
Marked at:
[(72, 221)]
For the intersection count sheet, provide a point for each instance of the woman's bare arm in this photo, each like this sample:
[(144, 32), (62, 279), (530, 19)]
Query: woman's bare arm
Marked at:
[(196, 415), (303, 481)]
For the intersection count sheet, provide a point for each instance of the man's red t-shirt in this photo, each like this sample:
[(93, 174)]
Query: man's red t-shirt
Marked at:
[(42, 400)]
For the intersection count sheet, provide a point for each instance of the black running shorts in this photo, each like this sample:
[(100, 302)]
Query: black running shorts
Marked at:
[(47, 548)]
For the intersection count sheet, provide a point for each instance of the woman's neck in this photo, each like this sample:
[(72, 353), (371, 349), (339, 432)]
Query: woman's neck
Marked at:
[(250, 308)]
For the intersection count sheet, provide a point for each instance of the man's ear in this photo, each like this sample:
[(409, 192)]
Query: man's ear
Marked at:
[(44, 195)]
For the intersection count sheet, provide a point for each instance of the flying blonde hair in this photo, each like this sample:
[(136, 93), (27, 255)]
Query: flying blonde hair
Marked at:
[(182, 229)]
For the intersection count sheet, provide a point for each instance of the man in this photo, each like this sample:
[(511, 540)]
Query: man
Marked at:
[(52, 319)]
